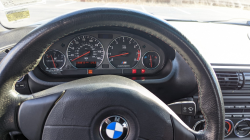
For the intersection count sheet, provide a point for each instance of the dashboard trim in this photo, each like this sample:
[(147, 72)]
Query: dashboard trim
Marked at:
[(145, 81)]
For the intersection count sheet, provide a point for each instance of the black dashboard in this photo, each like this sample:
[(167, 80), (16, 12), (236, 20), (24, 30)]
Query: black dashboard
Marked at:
[(103, 52)]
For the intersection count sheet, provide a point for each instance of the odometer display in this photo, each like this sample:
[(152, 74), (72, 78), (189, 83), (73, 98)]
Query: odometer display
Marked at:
[(85, 51), (124, 52)]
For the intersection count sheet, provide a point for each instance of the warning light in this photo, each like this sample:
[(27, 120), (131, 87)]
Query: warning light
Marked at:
[(143, 71), (90, 71), (134, 71)]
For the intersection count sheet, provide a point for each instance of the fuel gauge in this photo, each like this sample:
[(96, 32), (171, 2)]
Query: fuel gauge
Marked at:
[(151, 60)]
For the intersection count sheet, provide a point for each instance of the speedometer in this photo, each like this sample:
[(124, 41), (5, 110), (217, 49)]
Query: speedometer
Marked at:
[(85, 51)]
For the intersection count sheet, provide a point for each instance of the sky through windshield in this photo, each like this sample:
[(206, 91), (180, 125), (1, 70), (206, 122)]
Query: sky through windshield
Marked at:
[(201, 10)]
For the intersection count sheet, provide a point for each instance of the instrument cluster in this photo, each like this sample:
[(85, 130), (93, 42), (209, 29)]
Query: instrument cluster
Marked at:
[(103, 52)]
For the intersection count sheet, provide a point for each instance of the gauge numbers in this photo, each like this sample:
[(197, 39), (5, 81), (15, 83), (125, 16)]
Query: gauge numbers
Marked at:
[(124, 52), (85, 51)]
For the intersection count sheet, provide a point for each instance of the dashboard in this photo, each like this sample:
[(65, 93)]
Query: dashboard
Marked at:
[(103, 52)]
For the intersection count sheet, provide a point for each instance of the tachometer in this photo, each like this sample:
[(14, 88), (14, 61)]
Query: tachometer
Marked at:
[(53, 59), (124, 52), (85, 51)]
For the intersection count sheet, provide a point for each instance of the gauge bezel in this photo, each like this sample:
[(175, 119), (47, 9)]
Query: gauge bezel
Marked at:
[(59, 52), (195, 125), (89, 36), (108, 52), (231, 129), (237, 125), (157, 64)]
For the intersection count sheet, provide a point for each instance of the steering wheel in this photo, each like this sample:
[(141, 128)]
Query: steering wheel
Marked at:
[(103, 107)]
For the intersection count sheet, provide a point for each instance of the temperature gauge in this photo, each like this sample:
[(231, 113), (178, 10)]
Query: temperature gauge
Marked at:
[(54, 59), (151, 60)]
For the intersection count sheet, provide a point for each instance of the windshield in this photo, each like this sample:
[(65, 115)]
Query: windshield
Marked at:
[(17, 13)]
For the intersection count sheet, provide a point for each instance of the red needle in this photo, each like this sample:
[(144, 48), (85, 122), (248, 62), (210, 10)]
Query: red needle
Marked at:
[(53, 61), (119, 55), (81, 56), (150, 61)]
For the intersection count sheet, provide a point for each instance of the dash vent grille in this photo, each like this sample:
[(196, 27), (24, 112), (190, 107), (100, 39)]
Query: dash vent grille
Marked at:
[(230, 80)]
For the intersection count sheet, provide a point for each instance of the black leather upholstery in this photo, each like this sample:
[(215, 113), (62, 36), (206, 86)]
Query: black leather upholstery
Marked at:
[(28, 52)]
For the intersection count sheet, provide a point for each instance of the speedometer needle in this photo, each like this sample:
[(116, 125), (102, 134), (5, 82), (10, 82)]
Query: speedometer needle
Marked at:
[(53, 61), (119, 55), (81, 56)]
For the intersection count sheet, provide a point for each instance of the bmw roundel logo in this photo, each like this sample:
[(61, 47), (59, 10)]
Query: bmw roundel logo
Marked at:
[(114, 127)]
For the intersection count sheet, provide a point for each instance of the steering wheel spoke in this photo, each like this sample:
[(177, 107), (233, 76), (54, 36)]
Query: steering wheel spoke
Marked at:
[(9, 104), (33, 113)]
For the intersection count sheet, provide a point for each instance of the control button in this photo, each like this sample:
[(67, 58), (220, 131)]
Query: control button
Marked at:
[(228, 116), (184, 108), (247, 116), (237, 116), (105, 65), (229, 107), (188, 109), (240, 106)]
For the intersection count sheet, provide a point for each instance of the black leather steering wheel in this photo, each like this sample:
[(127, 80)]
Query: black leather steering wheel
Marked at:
[(75, 110)]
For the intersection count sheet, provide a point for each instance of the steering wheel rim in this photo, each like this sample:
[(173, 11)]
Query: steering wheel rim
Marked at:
[(35, 44)]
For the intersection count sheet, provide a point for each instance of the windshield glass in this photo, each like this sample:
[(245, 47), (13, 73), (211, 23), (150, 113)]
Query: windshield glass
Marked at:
[(17, 13)]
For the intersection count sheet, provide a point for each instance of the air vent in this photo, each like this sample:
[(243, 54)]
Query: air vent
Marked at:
[(247, 81), (230, 80)]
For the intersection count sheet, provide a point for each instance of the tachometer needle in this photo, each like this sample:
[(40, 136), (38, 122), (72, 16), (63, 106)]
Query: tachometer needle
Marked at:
[(119, 55), (81, 56), (151, 61), (53, 61)]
